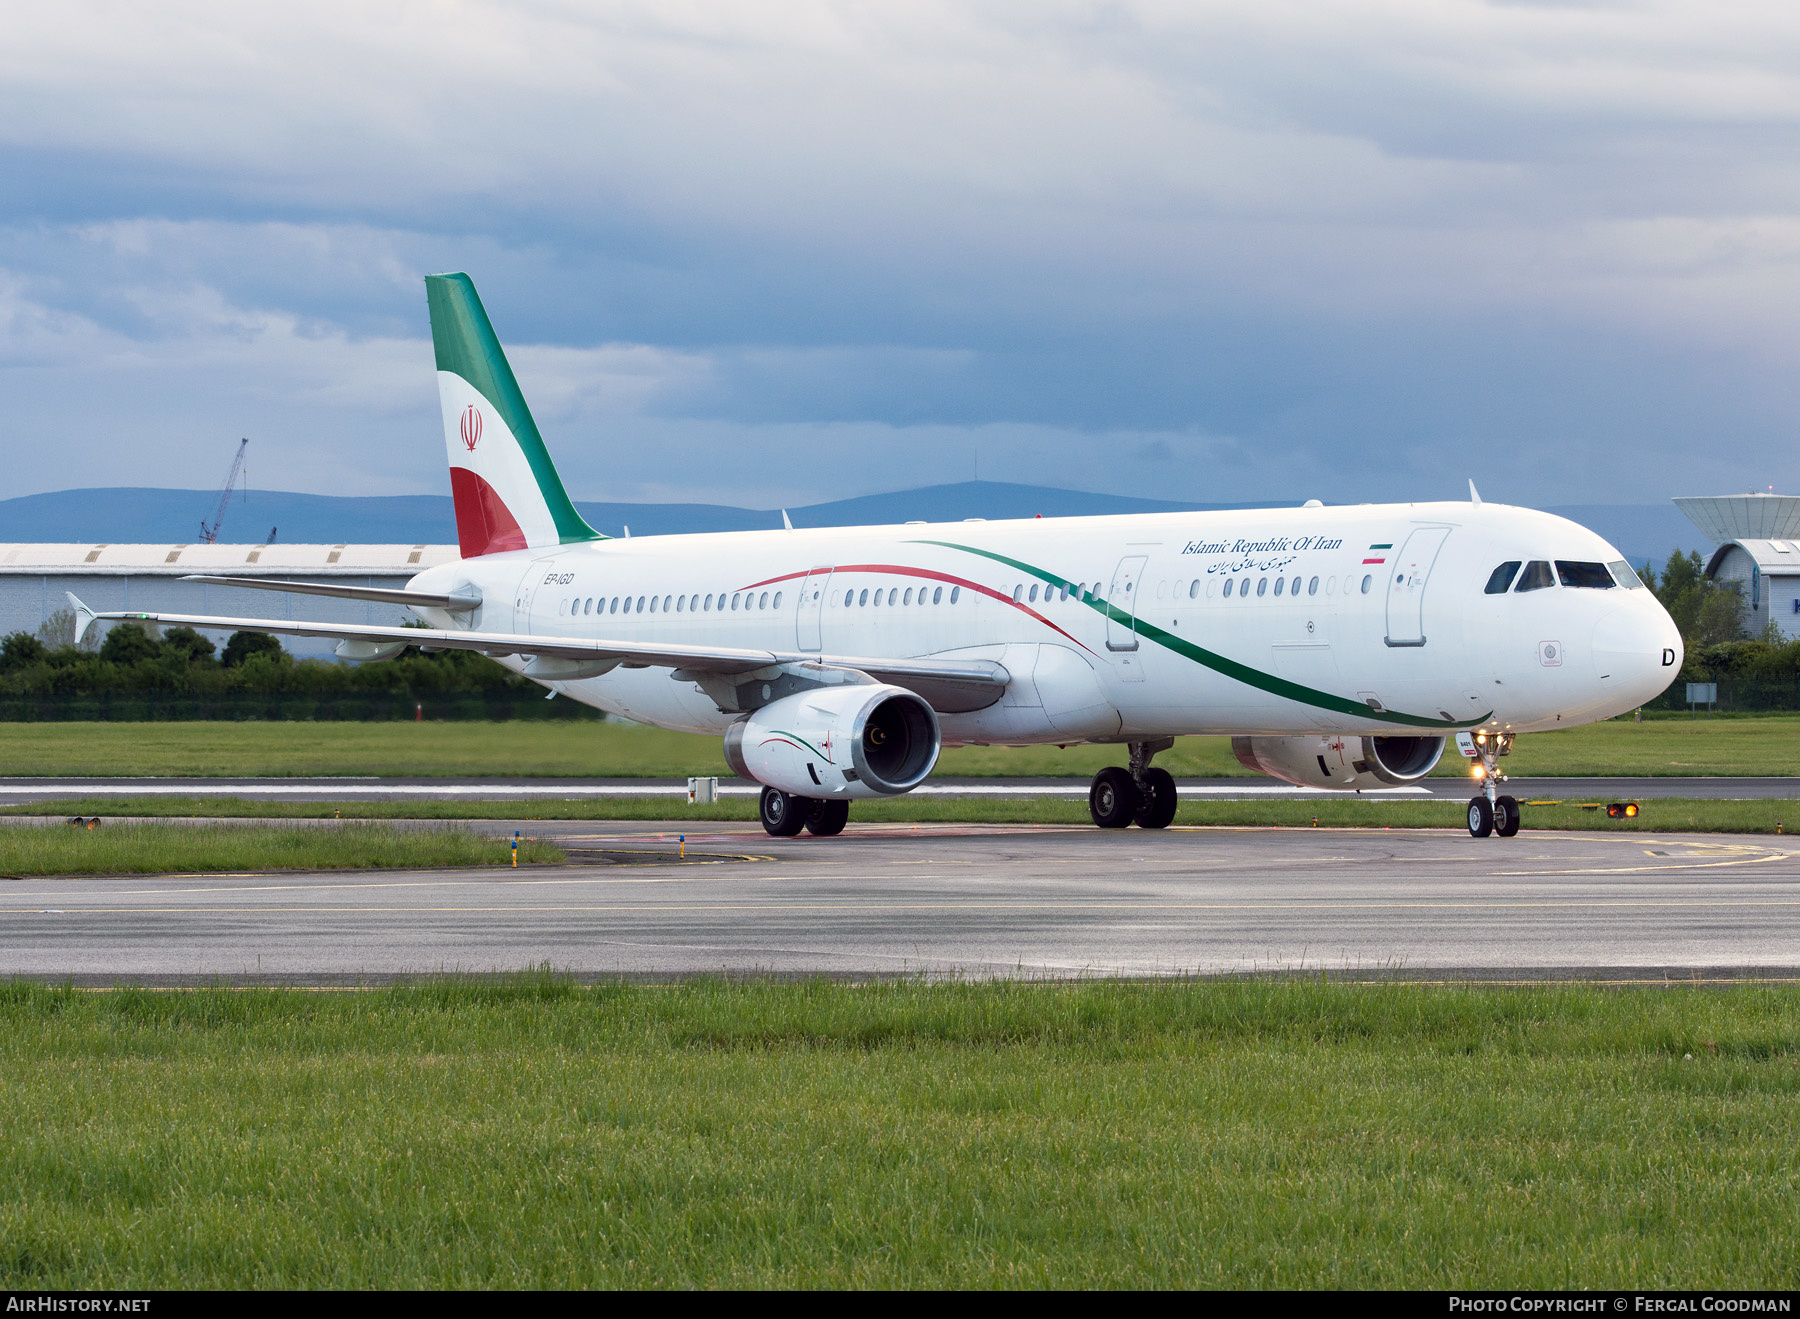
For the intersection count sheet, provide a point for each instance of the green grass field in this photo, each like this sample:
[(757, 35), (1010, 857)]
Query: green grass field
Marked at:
[(1665, 815), (119, 848), (1235, 1134), (1753, 746)]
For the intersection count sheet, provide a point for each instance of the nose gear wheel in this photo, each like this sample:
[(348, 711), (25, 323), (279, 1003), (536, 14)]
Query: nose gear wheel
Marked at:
[(1492, 812)]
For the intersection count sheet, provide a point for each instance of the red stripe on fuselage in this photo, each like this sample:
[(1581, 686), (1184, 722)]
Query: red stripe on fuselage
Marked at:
[(899, 571)]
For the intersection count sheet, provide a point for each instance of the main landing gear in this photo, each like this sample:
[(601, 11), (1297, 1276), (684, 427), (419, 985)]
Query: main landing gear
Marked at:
[(1492, 812), (1139, 795), (785, 814)]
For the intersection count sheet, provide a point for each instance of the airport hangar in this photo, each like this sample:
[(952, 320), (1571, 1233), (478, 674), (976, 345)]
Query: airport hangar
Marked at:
[(36, 579), (1756, 541)]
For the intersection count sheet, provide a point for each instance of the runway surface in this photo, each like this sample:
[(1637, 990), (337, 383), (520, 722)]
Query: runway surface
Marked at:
[(25, 790), (952, 900)]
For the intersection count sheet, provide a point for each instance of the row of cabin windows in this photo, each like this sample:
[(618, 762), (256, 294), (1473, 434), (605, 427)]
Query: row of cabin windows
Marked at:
[(1537, 575), (895, 595), (1022, 594), (1028, 595), (1284, 585), (672, 604), (1242, 587)]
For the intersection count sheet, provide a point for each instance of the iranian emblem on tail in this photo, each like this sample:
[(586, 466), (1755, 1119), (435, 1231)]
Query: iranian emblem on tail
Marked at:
[(507, 493)]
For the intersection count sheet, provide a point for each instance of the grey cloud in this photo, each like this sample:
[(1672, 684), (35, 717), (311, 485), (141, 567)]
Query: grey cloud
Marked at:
[(1379, 246)]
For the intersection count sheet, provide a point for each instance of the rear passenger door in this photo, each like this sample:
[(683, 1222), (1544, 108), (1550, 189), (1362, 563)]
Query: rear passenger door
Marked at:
[(1121, 632)]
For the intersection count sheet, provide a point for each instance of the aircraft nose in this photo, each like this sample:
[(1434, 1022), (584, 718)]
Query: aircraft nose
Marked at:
[(1637, 650)]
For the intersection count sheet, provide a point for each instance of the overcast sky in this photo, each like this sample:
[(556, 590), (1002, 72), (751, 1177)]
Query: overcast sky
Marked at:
[(772, 253)]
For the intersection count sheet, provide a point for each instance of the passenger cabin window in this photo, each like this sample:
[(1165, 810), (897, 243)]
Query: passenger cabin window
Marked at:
[(1624, 576), (937, 595), (1593, 576), (1536, 577), (1501, 579)]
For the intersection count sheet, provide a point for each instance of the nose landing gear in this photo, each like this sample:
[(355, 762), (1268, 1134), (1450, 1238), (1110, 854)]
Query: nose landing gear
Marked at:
[(1492, 812), (1140, 795)]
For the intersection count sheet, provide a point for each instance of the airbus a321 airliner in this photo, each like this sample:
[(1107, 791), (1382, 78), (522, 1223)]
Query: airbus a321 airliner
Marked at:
[(1339, 647)]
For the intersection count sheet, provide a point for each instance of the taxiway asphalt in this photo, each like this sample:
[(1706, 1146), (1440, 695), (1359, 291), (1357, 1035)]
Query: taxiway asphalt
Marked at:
[(21, 791), (964, 900)]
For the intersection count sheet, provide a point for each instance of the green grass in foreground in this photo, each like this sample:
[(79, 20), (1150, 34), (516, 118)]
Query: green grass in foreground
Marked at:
[(1662, 815), (1746, 746), (122, 848), (1236, 1134)]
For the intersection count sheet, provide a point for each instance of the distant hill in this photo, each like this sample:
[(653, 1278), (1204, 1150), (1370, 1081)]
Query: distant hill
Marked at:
[(139, 515), (134, 515)]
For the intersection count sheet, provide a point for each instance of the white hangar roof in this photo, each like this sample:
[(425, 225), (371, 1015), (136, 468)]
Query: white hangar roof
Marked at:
[(1779, 558), (235, 560)]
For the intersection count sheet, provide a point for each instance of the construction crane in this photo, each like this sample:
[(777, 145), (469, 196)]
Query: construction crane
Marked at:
[(209, 531)]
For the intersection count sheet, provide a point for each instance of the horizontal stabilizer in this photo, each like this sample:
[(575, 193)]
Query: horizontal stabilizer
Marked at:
[(460, 603), (83, 616)]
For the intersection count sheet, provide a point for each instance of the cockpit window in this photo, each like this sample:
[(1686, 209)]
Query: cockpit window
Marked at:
[(1502, 578), (1594, 576), (1624, 576), (1536, 576)]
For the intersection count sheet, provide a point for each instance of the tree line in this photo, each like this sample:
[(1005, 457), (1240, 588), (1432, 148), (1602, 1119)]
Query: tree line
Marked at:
[(178, 661)]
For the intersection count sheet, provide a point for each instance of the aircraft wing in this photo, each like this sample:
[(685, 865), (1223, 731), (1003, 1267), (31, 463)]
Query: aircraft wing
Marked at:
[(949, 684), (456, 604)]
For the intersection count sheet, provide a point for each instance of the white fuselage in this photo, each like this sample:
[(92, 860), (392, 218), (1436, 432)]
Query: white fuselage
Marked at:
[(1119, 628)]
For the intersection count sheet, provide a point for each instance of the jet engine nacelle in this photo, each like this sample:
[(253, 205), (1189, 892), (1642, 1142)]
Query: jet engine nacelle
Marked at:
[(1343, 763), (868, 740)]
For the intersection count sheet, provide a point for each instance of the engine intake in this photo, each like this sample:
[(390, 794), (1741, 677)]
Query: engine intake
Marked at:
[(1344, 763), (858, 741)]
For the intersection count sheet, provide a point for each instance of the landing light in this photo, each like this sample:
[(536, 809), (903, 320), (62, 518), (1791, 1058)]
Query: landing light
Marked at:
[(1621, 810)]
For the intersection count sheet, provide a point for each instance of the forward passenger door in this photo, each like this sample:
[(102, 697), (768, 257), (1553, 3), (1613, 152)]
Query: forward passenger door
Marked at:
[(1406, 586)]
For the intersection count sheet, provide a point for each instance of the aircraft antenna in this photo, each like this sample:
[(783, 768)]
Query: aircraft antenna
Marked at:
[(209, 531)]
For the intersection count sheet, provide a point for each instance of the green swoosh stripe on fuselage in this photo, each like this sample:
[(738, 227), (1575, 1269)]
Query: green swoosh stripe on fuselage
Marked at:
[(1230, 668)]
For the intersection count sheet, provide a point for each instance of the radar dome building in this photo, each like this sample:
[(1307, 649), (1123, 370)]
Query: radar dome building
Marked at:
[(1756, 541)]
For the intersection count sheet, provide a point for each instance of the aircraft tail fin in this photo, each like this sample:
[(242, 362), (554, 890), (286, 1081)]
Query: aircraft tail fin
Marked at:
[(507, 493)]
